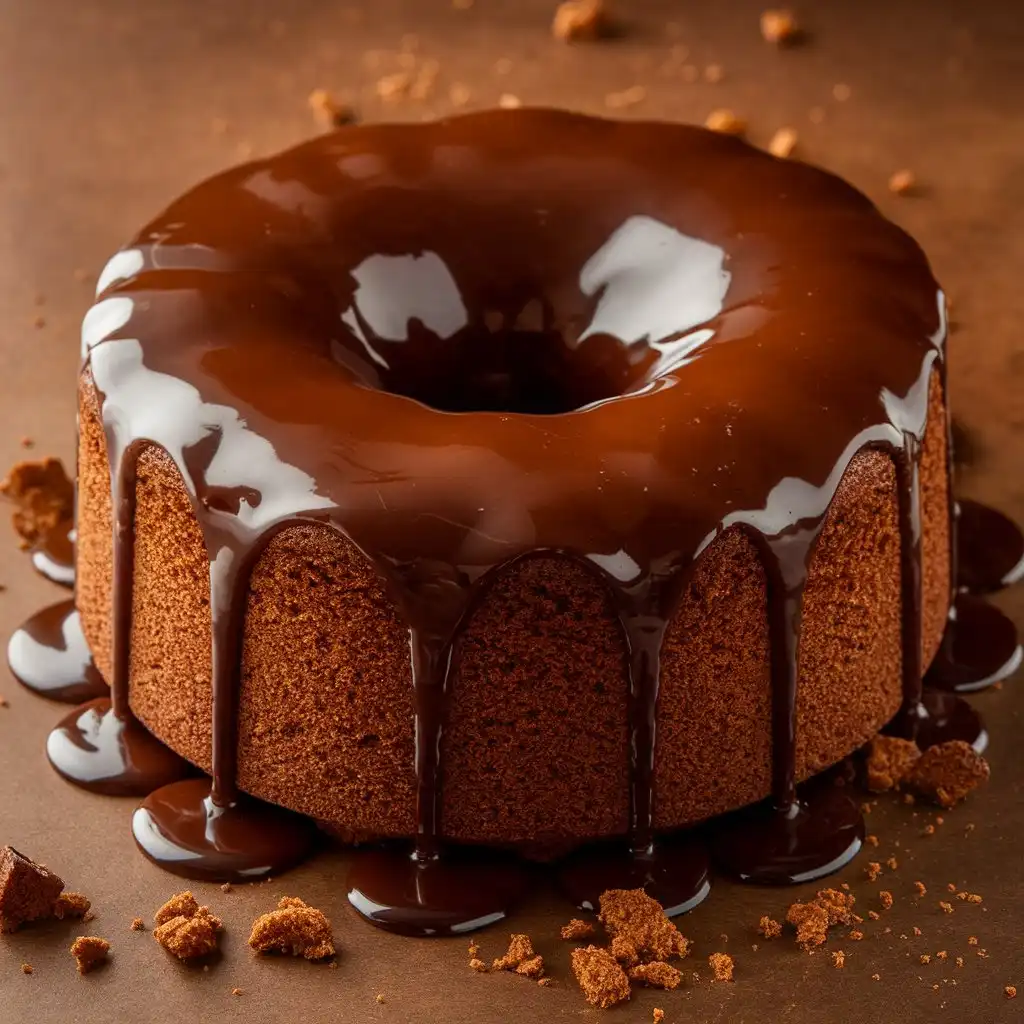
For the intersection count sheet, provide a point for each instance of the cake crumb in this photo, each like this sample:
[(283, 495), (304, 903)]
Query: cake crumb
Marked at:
[(137, 925), (236, 991), (624, 951), (520, 948), (925, 958), (783, 142), (659, 1015), (876, 977), (886, 899), (578, 929), (602, 980), (921, 888), (72, 904), (43, 495), (903, 182), (769, 927), (856, 936), (972, 940), (725, 121), (89, 951), (873, 871), (184, 928), (27, 969), (329, 111), (657, 974), (890, 761), (625, 98), (908, 799), (813, 919), (929, 830), (545, 982), (638, 917), (532, 967), (28, 891), (942, 955), (580, 20), (295, 928), (948, 772), (871, 840), (838, 958), (779, 27), (477, 965), (722, 964), (917, 931), (1010, 991), (873, 914), (892, 864), (947, 908), (959, 961), (226, 887)]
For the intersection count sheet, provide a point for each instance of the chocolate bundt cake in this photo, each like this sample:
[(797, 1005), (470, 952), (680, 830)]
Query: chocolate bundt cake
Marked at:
[(518, 479)]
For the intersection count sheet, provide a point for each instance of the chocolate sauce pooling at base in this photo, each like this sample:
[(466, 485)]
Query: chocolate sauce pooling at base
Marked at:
[(717, 333), (450, 894), (674, 870), (54, 555), (990, 549), (979, 648), (103, 752), (49, 655), (938, 718), (182, 829)]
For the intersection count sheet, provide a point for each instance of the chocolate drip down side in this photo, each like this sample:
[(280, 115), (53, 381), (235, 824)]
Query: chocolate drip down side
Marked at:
[(742, 352)]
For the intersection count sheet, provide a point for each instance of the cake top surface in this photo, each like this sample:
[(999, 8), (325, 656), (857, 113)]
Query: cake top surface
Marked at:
[(470, 339)]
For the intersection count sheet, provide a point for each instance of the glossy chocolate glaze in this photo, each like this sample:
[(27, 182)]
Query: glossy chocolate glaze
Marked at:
[(466, 342), (53, 556)]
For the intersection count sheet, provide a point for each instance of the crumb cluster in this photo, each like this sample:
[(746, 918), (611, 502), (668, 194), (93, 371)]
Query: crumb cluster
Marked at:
[(295, 928), (186, 929)]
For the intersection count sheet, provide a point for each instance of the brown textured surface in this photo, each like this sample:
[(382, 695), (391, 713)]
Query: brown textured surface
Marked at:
[(113, 117), (535, 752)]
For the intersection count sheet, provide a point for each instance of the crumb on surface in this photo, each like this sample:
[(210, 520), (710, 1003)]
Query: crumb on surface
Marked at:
[(28, 891), (27, 968), (659, 1015), (601, 978), (873, 871), (380, 998), (520, 949), (226, 887), (892, 864), (624, 951), (812, 920), (885, 897), (328, 110), (948, 772), (723, 965), (947, 908), (769, 927), (137, 925), (294, 928), (72, 904), (871, 840), (532, 967), (657, 974), (725, 121), (779, 26), (43, 495), (890, 761), (783, 142), (545, 982), (476, 964), (855, 935), (903, 182), (236, 991), (922, 889), (838, 958), (89, 951), (1010, 991), (184, 928), (580, 20), (634, 915), (577, 928)]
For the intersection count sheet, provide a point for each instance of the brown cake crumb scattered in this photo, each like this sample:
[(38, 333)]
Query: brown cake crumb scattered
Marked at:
[(779, 27), (138, 925), (855, 935), (782, 143), (725, 121), (27, 968), (871, 840), (903, 182), (71, 904), (722, 964), (769, 927), (226, 887), (477, 965), (890, 761), (947, 772), (578, 929), (657, 974), (947, 908), (533, 967), (659, 1015), (873, 914), (579, 20), (236, 991), (812, 920), (602, 979), (28, 891), (44, 496), (921, 888), (624, 951), (838, 958), (634, 915), (925, 958), (89, 952), (520, 948), (545, 982), (329, 111), (892, 864), (942, 955), (838, 905), (1011, 991), (873, 871), (186, 929), (295, 928), (959, 961), (972, 940), (929, 830), (886, 899)]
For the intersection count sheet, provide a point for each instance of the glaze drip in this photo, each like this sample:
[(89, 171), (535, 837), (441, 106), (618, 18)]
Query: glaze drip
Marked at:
[(266, 318)]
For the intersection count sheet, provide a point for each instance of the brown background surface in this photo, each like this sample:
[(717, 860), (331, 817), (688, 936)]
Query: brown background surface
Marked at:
[(108, 110)]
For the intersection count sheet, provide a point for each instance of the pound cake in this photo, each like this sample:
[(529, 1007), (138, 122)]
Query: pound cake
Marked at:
[(518, 479)]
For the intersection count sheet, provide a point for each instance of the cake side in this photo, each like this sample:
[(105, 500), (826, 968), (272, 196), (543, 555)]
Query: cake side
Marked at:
[(536, 743)]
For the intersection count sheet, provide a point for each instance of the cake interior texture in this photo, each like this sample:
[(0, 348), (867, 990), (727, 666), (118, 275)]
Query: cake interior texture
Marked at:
[(535, 747)]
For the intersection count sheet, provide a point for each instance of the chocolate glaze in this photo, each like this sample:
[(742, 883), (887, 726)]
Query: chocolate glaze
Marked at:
[(990, 549), (54, 555), (525, 331), (979, 647), (49, 655), (104, 752)]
